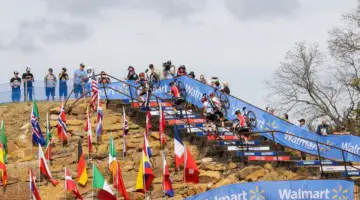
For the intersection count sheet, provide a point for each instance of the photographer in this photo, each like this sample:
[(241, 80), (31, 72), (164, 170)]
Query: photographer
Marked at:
[(63, 78), (167, 73)]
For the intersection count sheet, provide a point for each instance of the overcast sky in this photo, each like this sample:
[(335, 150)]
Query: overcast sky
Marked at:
[(241, 41)]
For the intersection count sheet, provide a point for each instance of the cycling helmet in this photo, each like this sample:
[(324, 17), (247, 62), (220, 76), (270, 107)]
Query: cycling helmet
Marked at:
[(212, 94), (172, 83), (64, 69), (237, 112), (82, 65), (50, 70), (131, 68), (28, 69), (16, 72), (203, 99), (142, 75), (151, 66)]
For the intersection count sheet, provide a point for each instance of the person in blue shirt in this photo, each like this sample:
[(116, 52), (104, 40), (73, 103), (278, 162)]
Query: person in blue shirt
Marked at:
[(79, 80), (303, 125), (323, 129)]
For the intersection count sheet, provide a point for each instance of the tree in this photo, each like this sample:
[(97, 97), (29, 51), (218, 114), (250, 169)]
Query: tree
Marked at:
[(304, 86)]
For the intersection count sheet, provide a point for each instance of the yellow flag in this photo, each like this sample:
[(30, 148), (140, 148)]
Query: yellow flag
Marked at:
[(140, 177)]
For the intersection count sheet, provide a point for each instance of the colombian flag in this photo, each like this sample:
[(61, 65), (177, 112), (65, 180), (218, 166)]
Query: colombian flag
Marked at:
[(145, 175), (82, 176)]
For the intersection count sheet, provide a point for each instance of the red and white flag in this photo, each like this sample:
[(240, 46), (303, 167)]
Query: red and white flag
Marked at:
[(179, 148), (148, 122), (191, 171), (44, 169), (95, 94), (62, 133), (34, 191), (70, 185), (88, 129), (162, 125), (119, 183)]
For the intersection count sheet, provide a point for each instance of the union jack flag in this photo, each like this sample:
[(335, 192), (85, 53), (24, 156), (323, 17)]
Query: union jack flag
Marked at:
[(62, 133), (95, 93), (37, 136), (100, 117)]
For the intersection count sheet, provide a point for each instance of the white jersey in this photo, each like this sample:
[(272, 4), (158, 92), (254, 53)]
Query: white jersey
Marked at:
[(209, 108)]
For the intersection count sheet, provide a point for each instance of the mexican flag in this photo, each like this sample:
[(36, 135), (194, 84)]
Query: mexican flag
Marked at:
[(100, 183)]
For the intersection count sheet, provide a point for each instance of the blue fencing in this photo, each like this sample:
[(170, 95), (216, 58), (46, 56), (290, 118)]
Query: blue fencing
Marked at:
[(282, 190), (266, 121)]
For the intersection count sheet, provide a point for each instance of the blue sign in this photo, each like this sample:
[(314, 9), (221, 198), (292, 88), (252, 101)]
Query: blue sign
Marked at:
[(266, 121), (282, 190)]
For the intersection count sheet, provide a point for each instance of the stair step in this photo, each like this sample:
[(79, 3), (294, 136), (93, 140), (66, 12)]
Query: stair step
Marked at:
[(185, 121), (328, 169), (316, 163), (259, 153), (236, 148), (204, 134), (183, 126), (269, 158), (236, 142), (220, 129), (223, 137), (351, 173)]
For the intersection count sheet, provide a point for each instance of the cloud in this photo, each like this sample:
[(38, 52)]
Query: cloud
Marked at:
[(261, 9)]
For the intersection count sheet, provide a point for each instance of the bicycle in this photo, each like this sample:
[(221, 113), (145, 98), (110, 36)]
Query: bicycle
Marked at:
[(153, 80)]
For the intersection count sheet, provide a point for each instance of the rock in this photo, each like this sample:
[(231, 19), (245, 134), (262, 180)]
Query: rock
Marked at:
[(74, 128), (23, 142), (112, 127), (136, 196), (155, 136), (232, 165), (55, 111), (178, 186), (242, 174), (207, 160), (25, 127), (198, 188), (134, 126), (26, 158), (268, 167), (209, 176), (54, 117), (103, 148), (74, 122), (272, 176), (154, 144), (157, 194), (226, 181), (287, 175), (255, 176), (111, 119), (213, 166)]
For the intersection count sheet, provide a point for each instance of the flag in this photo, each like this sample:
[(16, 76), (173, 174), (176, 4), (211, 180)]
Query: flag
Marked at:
[(70, 185), (48, 139), (44, 169), (178, 148), (82, 176), (88, 129), (119, 183), (37, 136), (167, 184), (145, 176), (34, 192), (100, 183), (162, 125), (112, 157), (2, 166), (3, 141), (62, 124), (100, 117), (95, 93), (191, 171), (125, 131), (148, 122), (146, 147)]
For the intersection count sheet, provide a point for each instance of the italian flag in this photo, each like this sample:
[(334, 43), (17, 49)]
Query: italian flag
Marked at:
[(100, 183)]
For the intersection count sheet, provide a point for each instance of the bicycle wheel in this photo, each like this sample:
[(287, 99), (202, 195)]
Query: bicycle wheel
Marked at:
[(155, 81), (251, 119), (224, 101), (182, 89)]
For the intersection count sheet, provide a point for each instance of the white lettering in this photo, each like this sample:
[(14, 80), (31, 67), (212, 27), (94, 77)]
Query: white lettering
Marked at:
[(304, 194)]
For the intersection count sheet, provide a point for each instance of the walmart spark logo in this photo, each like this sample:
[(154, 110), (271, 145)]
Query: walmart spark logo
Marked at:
[(270, 126), (340, 194), (257, 194), (325, 148)]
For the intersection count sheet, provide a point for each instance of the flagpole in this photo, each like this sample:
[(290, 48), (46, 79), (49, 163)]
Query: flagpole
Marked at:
[(124, 135), (92, 190), (185, 159), (65, 183), (39, 168), (163, 163)]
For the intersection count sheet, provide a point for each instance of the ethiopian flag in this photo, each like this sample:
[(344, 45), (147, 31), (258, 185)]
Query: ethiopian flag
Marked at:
[(3, 141), (100, 183)]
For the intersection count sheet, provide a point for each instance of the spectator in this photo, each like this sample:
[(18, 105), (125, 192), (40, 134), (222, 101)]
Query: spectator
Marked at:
[(132, 76), (341, 131), (323, 128), (203, 80), (181, 71), (213, 80), (217, 86), (154, 71), (79, 80), (192, 75), (63, 78), (271, 111), (286, 117), (15, 84), (303, 125), (226, 88), (28, 79), (167, 73), (50, 84), (104, 79), (89, 73)]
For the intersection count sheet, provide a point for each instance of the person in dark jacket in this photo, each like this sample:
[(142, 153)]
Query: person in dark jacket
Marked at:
[(132, 76), (226, 88), (323, 128), (15, 83), (63, 78), (192, 75)]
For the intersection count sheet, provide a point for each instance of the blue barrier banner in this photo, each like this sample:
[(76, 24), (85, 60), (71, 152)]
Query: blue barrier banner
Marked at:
[(282, 190), (266, 121)]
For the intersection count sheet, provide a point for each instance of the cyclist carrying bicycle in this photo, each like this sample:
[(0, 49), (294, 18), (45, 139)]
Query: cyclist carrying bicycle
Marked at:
[(209, 114), (154, 73), (178, 98), (216, 104), (144, 89), (239, 125)]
